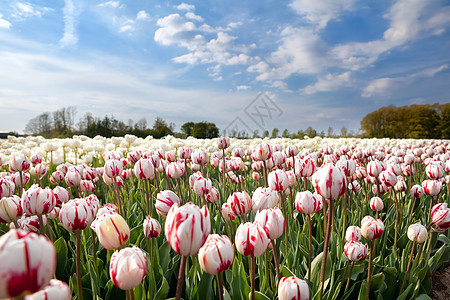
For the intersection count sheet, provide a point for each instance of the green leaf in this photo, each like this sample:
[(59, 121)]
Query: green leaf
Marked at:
[(163, 291), (405, 294), (205, 287), (61, 256), (390, 276), (377, 282), (423, 297), (316, 265), (260, 296)]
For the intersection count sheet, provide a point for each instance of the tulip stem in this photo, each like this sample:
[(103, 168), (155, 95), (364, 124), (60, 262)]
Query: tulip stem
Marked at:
[(349, 277), (344, 215), (408, 267), (147, 196), (78, 264), (116, 190), (94, 249), (286, 233), (369, 271), (266, 180), (41, 225), (325, 247), (252, 276), (309, 248), (275, 258), (219, 286), (180, 281)]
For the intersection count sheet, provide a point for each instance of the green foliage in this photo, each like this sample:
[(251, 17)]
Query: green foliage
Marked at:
[(414, 121)]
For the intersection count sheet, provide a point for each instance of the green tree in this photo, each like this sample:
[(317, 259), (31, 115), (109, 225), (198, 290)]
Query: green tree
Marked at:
[(205, 130), (160, 128), (275, 132), (187, 127), (285, 133)]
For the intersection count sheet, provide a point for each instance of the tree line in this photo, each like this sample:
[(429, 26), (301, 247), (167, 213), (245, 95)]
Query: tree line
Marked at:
[(61, 124), (425, 121)]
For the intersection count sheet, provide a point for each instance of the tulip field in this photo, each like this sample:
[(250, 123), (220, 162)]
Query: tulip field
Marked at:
[(134, 218)]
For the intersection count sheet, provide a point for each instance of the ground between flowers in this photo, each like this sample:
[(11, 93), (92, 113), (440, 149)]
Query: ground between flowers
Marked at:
[(441, 284)]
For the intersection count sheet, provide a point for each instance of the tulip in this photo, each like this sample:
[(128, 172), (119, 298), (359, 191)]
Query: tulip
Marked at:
[(31, 223), (293, 288), (73, 177), (417, 233), (6, 187), (164, 201), (440, 215), (216, 254), (264, 198), (134, 156), (113, 167), (278, 180), (227, 214), (308, 203), (55, 290), (112, 231), (240, 203), (56, 177), (434, 171), (417, 191), (61, 195), (27, 261), (87, 186), (10, 209), (212, 196), (144, 169), (374, 168), (223, 142), (353, 233), (272, 221), (200, 156), (388, 178), (76, 215), (376, 204), (19, 163), (251, 240), (187, 228), (202, 186), (38, 201), (432, 187), (151, 227), (127, 268), (355, 251)]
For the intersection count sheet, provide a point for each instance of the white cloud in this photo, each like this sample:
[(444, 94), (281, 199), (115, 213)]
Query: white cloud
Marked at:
[(185, 6), (192, 16), (383, 86), (142, 15), (328, 83), (70, 36), (4, 23), (301, 51), (113, 4), (242, 87), (320, 12), (206, 45)]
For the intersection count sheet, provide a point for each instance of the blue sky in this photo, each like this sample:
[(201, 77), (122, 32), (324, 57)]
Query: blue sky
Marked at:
[(319, 63)]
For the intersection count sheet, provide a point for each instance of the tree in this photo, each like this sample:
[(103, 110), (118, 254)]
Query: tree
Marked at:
[(344, 131), (205, 130), (285, 133), (40, 125), (311, 132), (275, 133), (330, 132), (187, 127), (160, 128), (256, 133)]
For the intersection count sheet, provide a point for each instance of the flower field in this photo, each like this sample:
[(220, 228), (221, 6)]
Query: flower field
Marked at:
[(224, 218)]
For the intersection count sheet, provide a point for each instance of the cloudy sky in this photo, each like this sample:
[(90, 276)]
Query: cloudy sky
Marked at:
[(241, 64)]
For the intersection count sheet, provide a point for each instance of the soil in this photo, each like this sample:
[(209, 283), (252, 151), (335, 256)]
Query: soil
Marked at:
[(441, 284)]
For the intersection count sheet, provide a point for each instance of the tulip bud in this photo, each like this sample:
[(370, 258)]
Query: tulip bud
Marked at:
[(264, 198), (187, 228), (61, 195), (112, 231), (374, 168), (10, 209), (56, 177), (223, 142), (293, 288), (151, 227), (19, 163), (6, 188), (216, 254), (272, 220), (55, 290), (376, 204), (212, 196), (278, 180), (355, 251), (73, 177), (38, 201), (355, 186), (30, 223), (417, 233), (400, 186), (28, 262), (127, 268), (202, 186), (240, 203), (76, 214), (330, 182), (251, 239), (305, 167), (371, 229), (432, 187), (440, 215), (144, 169), (417, 191), (175, 170), (164, 201), (308, 203), (227, 213), (388, 178), (353, 233), (184, 152), (262, 152), (434, 171)]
